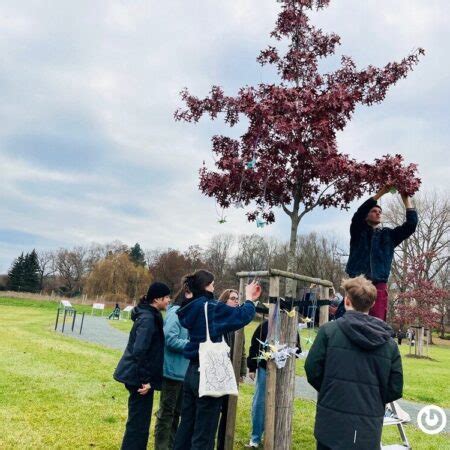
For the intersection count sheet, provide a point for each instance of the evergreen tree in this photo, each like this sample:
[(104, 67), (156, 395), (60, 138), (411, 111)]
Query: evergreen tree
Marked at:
[(16, 274), (137, 255), (31, 273)]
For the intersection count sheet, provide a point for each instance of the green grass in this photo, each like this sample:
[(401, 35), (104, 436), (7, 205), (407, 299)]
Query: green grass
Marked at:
[(58, 393)]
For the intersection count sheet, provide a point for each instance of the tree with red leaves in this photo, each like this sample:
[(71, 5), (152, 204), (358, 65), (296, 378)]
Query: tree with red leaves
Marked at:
[(420, 303), (288, 157)]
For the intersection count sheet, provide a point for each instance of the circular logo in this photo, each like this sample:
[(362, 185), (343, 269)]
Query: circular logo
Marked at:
[(431, 419)]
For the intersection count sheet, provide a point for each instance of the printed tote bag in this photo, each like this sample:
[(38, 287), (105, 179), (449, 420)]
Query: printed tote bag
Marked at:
[(216, 370)]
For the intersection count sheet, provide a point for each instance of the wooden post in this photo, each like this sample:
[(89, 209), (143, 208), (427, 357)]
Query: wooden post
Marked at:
[(237, 356), (271, 377), (286, 377), (324, 310)]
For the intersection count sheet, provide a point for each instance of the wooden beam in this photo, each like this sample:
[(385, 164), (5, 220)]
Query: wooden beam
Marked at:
[(271, 377), (324, 310), (295, 276), (257, 273), (286, 377), (237, 356)]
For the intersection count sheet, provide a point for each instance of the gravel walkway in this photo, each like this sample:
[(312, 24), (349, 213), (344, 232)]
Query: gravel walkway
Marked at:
[(98, 330)]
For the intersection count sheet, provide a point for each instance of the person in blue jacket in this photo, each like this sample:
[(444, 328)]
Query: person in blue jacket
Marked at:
[(175, 366), (200, 415), (141, 366)]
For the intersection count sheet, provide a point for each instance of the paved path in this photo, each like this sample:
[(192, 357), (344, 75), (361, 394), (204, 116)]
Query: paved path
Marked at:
[(99, 331), (96, 329)]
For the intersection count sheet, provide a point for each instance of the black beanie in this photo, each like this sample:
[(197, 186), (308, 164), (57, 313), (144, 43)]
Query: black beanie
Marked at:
[(157, 290)]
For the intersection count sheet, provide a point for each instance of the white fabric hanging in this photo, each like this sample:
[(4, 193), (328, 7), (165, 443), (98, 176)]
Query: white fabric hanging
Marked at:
[(216, 370)]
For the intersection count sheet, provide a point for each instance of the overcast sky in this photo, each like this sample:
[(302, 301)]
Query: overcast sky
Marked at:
[(89, 150)]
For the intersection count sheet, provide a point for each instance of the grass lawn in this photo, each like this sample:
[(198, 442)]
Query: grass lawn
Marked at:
[(58, 393)]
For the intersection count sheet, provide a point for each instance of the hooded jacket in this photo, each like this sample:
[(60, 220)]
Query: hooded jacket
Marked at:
[(221, 319), (175, 364), (142, 361), (372, 249), (356, 367)]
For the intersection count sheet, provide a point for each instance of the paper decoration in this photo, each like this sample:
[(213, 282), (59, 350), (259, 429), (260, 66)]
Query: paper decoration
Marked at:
[(251, 164)]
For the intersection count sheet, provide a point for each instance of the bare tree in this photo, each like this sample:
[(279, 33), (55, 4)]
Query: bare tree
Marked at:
[(431, 238), (218, 254), (47, 266), (72, 266)]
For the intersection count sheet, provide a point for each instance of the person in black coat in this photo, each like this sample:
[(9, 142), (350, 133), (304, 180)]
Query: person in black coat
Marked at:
[(356, 367), (372, 246), (141, 366)]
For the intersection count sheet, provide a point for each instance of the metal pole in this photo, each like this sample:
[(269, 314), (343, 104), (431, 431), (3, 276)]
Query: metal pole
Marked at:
[(74, 319), (64, 321), (82, 321), (57, 318)]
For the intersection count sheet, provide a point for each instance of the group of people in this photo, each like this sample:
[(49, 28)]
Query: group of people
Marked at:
[(354, 362), (164, 355)]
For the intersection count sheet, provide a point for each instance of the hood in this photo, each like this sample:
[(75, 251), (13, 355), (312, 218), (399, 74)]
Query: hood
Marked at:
[(188, 314), (139, 310), (365, 331)]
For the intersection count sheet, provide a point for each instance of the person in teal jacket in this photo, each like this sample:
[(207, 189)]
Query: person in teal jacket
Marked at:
[(175, 366)]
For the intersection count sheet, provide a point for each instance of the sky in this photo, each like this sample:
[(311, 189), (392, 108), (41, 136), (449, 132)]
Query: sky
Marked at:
[(89, 150)]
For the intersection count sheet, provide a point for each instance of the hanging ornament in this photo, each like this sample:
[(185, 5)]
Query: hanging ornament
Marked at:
[(238, 204), (251, 164), (260, 223), (393, 190)]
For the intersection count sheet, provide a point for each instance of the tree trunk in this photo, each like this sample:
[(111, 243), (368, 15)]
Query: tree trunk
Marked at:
[(288, 330)]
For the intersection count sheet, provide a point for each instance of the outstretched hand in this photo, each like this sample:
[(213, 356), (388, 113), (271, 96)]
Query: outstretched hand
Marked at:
[(406, 200), (252, 291), (384, 190)]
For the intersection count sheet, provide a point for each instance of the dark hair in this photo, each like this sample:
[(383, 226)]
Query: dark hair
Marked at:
[(143, 300), (181, 294), (197, 281)]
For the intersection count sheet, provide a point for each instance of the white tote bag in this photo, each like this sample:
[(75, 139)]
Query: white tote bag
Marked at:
[(216, 370)]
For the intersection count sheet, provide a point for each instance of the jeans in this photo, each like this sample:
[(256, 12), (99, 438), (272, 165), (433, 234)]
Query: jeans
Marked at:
[(199, 415), (168, 415), (259, 406), (320, 446), (138, 423), (379, 309), (222, 424)]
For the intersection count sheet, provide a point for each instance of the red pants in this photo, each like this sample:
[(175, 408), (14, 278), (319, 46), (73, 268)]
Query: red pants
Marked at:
[(379, 309)]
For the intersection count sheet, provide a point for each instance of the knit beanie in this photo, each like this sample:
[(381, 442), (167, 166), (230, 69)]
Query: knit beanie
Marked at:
[(157, 290)]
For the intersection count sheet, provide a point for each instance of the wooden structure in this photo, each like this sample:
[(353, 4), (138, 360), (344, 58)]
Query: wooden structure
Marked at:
[(279, 396)]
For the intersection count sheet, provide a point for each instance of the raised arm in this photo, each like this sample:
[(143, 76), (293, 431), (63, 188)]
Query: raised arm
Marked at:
[(404, 231)]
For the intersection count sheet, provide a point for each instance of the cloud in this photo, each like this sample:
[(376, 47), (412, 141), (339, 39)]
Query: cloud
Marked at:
[(89, 150)]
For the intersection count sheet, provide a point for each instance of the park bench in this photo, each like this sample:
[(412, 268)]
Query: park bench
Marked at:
[(98, 307)]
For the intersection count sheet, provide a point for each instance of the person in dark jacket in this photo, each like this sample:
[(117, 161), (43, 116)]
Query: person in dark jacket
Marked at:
[(372, 246), (141, 366), (231, 298), (355, 365), (200, 415), (257, 370), (175, 366)]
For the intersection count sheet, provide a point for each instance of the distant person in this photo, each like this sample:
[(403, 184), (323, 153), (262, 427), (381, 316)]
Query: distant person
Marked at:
[(372, 246), (200, 415), (141, 366), (115, 312), (355, 365), (231, 298), (175, 366)]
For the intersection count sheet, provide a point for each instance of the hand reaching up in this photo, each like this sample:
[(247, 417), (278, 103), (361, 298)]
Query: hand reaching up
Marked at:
[(252, 291)]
